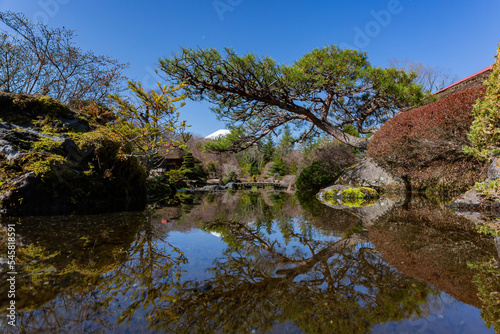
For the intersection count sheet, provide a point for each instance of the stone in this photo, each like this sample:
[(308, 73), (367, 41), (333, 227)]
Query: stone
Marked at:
[(367, 173), (470, 200), (368, 214), (494, 169), (43, 171), (231, 185)]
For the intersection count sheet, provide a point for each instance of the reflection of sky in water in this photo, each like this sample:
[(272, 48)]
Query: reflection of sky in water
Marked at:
[(202, 247), (442, 314), (298, 238), (445, 315)]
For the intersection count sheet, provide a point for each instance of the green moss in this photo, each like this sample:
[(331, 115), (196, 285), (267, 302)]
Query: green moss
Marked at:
[(41, 105), (43, 164), (38, 111), (356, 202), (361, 193), (330, 195), (490, 190), (48, 145)]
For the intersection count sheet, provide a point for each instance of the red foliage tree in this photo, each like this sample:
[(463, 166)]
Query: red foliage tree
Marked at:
[(425, 145)]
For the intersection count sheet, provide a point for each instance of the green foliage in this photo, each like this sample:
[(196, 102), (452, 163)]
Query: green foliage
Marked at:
[(143, 128), (160, 187), (490, 189), (231, 177), (487, 281), (314, 177), (279, 167), (328, 87), (191, 170), (268, 150), (351, 129), (484, 133), (225, 143)]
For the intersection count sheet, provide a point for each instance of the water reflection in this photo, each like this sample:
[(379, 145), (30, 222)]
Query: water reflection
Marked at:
[(250, 262)]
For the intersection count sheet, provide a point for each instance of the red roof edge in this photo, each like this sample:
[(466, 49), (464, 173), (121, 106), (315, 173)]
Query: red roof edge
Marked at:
[(464, 79)]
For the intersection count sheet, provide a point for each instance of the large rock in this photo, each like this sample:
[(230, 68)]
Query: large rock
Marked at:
[(369, 212), (367, 173), (473, 200), (49, 165), (494, 169)]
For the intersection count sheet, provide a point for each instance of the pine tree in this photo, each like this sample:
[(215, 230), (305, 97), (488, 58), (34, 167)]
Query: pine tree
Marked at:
[(188, 167), (485, 130)]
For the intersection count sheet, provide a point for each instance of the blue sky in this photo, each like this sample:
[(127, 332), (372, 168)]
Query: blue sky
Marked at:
[(459, 35)]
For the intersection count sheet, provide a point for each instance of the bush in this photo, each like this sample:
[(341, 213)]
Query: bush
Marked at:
[(485, 130), (231, 177), (425, 145), (314, 177), (191, 170)]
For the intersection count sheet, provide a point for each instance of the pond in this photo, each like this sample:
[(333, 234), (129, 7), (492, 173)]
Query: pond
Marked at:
[(252, 262)]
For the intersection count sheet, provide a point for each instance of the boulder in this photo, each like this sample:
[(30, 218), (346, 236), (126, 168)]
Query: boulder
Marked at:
[(231, 185), (367, 173), (494, 169), (50, 165), (369, 211)]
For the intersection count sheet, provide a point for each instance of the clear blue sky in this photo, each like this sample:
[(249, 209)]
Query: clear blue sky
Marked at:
[(459, 35)]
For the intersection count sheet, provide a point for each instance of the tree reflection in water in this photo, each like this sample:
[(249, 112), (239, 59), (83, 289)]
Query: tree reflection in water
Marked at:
[(281, 266), (319, 284), (103, 270)]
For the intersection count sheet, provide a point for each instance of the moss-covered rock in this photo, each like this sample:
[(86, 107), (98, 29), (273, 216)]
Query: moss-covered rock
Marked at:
[(48, 165), (349, 196)]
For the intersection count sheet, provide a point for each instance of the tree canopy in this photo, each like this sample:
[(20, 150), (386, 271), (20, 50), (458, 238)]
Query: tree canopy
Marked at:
[(485, 130), (36, 59), (325, 90), (148, 127), (432, 79)]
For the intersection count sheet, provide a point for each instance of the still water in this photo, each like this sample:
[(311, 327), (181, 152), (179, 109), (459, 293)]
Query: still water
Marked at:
[(253, 262)]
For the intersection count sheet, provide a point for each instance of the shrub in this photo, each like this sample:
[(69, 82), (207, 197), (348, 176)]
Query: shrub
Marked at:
[(314, 177), (425, 145), (485, 129), (335, 155), (231, 177)]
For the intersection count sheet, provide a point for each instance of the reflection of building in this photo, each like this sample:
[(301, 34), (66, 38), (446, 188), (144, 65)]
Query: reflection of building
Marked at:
[(471, 81)]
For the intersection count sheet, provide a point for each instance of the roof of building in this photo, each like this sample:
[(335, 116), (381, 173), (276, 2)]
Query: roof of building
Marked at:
[(464, 80)]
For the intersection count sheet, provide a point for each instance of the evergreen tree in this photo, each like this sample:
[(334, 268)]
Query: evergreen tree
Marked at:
[(485, 130), (268, 150), (287, 141), (325, 89), (188, 167)]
